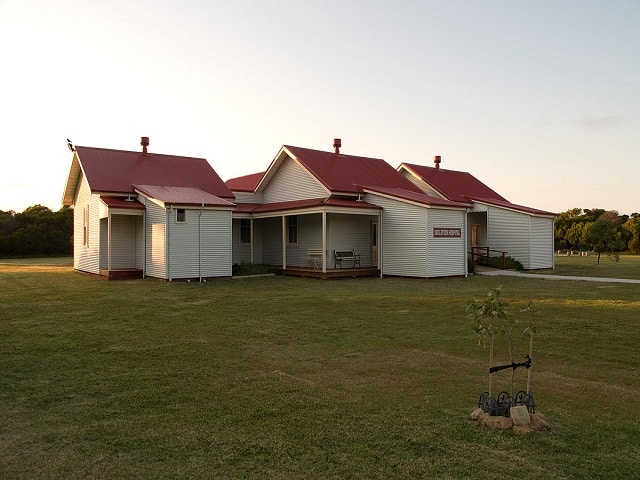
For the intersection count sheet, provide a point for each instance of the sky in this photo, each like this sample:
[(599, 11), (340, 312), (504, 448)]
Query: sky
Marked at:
[(538, 99)]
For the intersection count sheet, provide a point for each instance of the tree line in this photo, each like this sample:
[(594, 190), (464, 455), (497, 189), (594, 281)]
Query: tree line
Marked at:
[(37, 231), (597, 230)]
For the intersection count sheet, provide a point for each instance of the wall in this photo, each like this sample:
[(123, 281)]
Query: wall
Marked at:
[(292, 182), (509, 232), (541, 243), (156, 265), (421, 184), (246, 197), (126, 241), (85, 258), (349, 232), (200, 247), (404, 232), (446, 256), (271, 250)]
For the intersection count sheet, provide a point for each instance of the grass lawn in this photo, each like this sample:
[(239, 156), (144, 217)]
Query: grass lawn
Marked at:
[(577, 266), (282, 377)]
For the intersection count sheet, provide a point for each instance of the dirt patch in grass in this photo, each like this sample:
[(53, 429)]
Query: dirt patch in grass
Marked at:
[(33, 268)]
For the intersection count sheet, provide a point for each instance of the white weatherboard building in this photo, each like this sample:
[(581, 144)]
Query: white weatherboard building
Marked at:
[(523, 233), (311, 213), (143, 214)]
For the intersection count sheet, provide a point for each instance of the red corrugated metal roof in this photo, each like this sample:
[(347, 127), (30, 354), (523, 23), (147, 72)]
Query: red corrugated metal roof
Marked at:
[(454, 185), (246, 183), (421, 198), (119, 202), (513, 206), (182, 196), (464, 187), (118, 170), (349, 173)]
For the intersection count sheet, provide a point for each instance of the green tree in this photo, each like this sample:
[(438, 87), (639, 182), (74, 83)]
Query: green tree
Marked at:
[(562, 224), (36, 231), (577, 235), (632, 230), (603, 236)]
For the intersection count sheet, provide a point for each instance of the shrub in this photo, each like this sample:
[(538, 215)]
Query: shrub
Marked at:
[(244, 269), (496, 262)]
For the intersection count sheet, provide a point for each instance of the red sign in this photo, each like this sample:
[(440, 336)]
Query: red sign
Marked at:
[(447, 232)]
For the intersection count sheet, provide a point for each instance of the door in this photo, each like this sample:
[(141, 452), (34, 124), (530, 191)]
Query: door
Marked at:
[(374, 243), (474, 235), (474, 240)]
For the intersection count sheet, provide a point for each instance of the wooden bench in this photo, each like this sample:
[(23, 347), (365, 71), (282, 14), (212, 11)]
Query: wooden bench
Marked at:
[(315, 257), (348, 255)]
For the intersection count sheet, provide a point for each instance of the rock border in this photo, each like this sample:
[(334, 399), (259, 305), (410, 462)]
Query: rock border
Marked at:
[(538, 422)]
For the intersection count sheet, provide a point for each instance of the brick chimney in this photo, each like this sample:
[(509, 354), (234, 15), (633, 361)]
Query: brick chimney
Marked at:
[(337, 143), (437, 161), (144, 141)]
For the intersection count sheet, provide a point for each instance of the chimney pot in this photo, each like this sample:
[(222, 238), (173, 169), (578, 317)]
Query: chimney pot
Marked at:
[(337, 143), (144, 141), (437, 161)]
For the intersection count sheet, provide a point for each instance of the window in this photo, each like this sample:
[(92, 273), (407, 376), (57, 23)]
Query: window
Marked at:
[(292, 229), (245, 230), (181, 215), (85, 226)]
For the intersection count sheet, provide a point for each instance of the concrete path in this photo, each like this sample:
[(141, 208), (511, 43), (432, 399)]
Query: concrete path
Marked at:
[(512, 273)]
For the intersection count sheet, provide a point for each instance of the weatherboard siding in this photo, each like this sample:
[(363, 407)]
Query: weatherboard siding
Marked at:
[(421, 184), (200, 247), (127, 245), (86, 259), (541, 242), (404, 231), (271, 250), (309, 234), (241, 251), (446, 256), (509, 232), (216, 244), (104, 243), (156, 248), (246, 197), (349, 232), (123, 241), (292, 182), (140, 242)]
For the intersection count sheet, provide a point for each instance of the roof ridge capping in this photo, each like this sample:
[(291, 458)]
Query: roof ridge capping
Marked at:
[(342, 173), (140, 153)]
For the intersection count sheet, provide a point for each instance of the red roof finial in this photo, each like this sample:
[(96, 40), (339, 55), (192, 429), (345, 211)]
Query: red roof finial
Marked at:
[(337, 143), (144, 141), (437, 161)]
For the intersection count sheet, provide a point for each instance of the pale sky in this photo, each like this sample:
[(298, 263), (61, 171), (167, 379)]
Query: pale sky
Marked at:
[(538, 99)]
